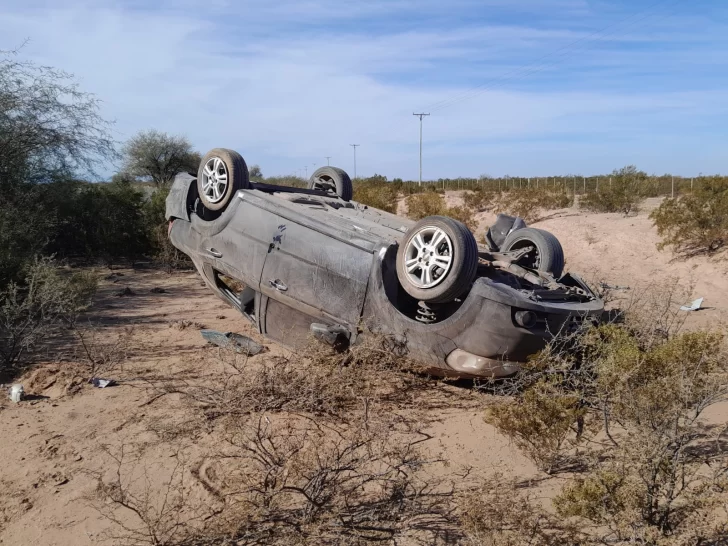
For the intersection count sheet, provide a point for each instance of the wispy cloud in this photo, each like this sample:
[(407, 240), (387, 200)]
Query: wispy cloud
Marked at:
[(287, 83)]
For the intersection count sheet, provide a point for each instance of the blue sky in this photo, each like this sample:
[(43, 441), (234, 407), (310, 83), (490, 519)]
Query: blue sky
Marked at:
[(519, 87)]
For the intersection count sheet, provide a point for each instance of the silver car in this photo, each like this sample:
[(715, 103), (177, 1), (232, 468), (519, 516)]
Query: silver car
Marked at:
[(311, 262)]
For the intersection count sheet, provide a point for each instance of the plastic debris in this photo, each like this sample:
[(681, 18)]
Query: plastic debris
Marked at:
[(17, 393), (695, 306), (229, 340), (101, 383)]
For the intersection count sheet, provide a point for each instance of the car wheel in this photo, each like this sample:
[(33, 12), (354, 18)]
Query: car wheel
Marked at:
[(222, 172), (437, 260), (547, 255), (332, 179)]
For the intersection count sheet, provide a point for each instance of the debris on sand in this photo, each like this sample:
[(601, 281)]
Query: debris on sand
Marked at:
[(237, 342), (113, 276), (183, 324), (126, 292), (606, 286), (17, 393), (695, 306), (101, 383), (158, 290)]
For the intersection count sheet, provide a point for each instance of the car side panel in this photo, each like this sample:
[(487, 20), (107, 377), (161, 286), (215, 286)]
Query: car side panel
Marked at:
[(321, 272)]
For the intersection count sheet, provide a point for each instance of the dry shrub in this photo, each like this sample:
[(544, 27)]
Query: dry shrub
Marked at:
[(102, 354), (314, 449), (421, 205), (142, 514), (304, 481), (379, 195), (655, 472), (628, 187), (529, 203), (30, 312), (318, 381), (502, 513), (479, 200), (539, 422), (695, 223)]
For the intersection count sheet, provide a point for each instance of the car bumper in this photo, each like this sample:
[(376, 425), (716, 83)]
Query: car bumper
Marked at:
[(483, 337)]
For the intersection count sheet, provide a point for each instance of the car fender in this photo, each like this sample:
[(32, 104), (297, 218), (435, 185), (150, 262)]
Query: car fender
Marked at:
[(177, 204)]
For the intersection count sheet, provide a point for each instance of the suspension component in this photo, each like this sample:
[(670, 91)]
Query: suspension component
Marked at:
[(425, 313)]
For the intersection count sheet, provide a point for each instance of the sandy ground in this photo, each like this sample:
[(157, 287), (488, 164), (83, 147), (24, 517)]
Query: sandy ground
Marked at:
[(55, 445)]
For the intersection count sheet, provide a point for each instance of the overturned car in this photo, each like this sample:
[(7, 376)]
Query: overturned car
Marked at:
[(299, 262)]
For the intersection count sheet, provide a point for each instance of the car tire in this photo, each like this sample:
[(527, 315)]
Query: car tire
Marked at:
[(423, 267), (217, 192), (334, 180), (548, 255)]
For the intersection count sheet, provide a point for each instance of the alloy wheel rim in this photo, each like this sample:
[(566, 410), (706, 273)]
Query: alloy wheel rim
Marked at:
[(214, 180), (428, 257)]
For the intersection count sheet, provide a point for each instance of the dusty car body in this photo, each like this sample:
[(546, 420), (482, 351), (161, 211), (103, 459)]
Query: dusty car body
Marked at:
[(312, 262)]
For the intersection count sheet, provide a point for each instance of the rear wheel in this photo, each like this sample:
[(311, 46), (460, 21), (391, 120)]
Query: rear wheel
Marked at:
[(222, 172), (547, 254), (437, 260), (334, 180)]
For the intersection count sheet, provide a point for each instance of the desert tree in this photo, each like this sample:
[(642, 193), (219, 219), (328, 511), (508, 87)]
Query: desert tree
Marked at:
[(256, 173), (49, 128), (158, 156)]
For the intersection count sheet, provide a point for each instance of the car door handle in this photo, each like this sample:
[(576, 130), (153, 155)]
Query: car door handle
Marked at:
[(214, 253), (278, 285)]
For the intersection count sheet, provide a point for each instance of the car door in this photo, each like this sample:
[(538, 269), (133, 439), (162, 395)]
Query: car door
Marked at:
[(315, 273)]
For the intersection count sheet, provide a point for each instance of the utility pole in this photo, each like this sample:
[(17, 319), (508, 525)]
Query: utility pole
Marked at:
[(420, 116), (306, 169), (354, 146), (327, 160)]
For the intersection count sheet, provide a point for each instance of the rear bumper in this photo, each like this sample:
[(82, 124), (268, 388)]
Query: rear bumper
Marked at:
[(482, 338)]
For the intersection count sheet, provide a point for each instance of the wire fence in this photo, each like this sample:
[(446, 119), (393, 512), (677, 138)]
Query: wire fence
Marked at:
[(655, 186)]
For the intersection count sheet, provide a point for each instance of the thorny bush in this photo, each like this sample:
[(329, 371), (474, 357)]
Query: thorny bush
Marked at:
[(29, 312), (697, 222), (316, 450)]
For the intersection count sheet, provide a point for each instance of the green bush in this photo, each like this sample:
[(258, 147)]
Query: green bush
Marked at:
[(631, 396), (628, 187), (697, 222)]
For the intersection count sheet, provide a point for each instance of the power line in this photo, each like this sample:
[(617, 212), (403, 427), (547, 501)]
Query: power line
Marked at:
[(421, 116), (534, 66), (354, 145)]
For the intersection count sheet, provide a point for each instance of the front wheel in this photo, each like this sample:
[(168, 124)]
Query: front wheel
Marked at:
[(438, 259), (222, 172)]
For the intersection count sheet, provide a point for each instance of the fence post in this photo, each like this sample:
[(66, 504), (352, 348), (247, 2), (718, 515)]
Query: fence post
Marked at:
[(672, 191), (597, 184)]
